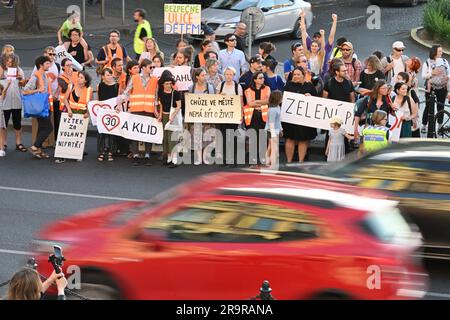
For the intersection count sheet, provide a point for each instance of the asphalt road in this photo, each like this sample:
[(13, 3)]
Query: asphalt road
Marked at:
[(28, 208)]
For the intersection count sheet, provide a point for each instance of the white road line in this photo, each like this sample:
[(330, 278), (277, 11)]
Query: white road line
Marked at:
[(66, 194), (439, 295), (22, 253), (351, 19)]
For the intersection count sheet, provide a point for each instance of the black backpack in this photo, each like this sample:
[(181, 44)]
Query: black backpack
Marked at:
[(236, 87)]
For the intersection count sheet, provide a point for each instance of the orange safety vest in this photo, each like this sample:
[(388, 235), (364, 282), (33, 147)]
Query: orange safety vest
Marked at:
[(83, 101), (143, 99), (201, 59), (122, 82), (248, 111), (108, 53), (69, 82), (49, 89)]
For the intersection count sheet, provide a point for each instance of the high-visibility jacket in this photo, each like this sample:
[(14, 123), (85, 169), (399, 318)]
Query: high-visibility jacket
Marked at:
[(49, 89), (139, 45), (83, 99), (143, 99), (201, 59), (108, 54), (70, 82), (248, 111), (122, 82), (375, 138)]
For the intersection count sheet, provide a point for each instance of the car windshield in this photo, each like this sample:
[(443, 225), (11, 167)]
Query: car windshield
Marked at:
[(238, 5)]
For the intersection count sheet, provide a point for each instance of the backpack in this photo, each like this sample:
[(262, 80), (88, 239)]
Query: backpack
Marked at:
[(389, 60), (439, 81), (236, 87)]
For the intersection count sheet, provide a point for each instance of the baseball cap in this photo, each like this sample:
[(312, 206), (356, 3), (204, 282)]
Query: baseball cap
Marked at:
[(255, 59), (348, 44), (398, 44)]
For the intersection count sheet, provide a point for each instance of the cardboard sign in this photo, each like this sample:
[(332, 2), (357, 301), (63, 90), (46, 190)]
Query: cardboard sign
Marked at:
[(182, 18), (71, 136), (94, 106), (395, 126), (61, 54), (129, 126), (11, 74), (316, 112), (182, 76), (213, 108)]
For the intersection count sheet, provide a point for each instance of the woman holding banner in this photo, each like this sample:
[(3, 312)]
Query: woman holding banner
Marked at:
[(170, 108), (256, 110), (108, 88), (200, 86), (229, 87), (297, 134)]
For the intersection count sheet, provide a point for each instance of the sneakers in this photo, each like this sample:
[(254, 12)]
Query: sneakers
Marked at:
[(2, 153), (136, 161), (424, 129), (60, 160), (171, 165)]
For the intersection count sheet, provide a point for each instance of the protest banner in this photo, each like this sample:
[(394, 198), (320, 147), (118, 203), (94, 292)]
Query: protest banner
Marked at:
[(71, 136), (395, 128), (182, 75), (94, 106), (213, 108), (182, 18), (316, 112), (129, 126), (61, 54)]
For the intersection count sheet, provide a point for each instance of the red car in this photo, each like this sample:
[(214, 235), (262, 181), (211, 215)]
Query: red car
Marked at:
[(222, 235)]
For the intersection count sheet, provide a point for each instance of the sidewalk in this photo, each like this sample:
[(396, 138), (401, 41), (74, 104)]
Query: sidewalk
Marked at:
[(53, 13)]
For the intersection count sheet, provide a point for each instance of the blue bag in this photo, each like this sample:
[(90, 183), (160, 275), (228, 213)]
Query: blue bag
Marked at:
[(36, 105)]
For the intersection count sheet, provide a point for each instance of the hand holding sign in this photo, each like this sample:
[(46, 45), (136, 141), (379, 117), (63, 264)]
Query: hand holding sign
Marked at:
[(95, 106)]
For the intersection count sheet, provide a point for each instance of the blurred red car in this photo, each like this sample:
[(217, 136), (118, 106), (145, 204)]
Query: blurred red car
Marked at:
[(222, 235)]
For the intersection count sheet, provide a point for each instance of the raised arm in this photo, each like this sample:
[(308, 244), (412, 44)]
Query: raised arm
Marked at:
[(303, 30), (333, 29)]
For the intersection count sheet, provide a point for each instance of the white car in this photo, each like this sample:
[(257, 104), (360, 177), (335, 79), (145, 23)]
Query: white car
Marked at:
[(281, 16)]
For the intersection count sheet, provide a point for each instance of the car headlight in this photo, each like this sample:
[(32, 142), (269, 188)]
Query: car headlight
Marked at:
[(46, 246), (230, 25)]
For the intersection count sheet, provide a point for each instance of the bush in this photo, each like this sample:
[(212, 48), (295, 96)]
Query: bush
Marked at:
[(436, 19)]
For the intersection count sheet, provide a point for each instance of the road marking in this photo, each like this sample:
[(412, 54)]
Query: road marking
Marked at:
[(66, 194), (351, 19), (440, 295), (22, 253)]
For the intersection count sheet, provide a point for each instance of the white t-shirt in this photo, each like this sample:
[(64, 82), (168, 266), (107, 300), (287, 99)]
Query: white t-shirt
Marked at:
[(230, 90), (398, 67)]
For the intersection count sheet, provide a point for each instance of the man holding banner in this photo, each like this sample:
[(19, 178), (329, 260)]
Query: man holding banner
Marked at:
[(142, 95)]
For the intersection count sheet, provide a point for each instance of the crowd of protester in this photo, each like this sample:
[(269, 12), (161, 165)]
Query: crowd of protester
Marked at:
[(379, 85)]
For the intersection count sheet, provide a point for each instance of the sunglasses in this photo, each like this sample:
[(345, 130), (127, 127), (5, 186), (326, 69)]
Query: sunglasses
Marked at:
[(152, 67), (346, 49), (399, 50), (304, 61), (51, 54)]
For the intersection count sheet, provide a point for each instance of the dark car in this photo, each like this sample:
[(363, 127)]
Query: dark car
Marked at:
[(416, 172), (412, 3)]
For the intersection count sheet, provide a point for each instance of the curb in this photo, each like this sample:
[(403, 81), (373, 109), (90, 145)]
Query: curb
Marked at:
[(424, 43)]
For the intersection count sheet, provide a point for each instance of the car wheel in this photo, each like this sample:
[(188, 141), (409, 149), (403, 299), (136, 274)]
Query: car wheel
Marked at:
[(443, 131), (296, 33), (95, 286)]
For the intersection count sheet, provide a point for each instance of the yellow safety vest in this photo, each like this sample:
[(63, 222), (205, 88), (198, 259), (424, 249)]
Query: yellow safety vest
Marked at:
[(139, 45), (375, 138)]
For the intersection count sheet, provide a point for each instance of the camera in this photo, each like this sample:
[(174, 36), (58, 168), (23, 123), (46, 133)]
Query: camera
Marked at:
[(57, 259)]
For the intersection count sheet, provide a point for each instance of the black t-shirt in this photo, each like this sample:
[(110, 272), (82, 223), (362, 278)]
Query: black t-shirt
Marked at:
[(368, 80), (246, 79), (106, 92), (306, 87), (166, 98), (339, 90), (79, 52)]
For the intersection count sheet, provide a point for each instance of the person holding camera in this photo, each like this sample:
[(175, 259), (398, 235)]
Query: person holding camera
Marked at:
[(26, 285)]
